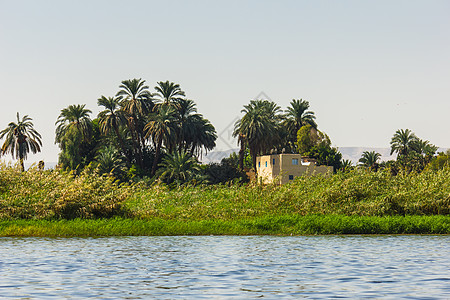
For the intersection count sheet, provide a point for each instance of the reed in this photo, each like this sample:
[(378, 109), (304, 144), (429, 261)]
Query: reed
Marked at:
[(280, 225)]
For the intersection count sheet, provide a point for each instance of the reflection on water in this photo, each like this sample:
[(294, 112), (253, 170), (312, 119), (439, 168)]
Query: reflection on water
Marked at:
[(415, 267)]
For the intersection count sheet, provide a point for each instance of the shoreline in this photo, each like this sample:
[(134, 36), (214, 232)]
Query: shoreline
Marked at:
[(287, 225)]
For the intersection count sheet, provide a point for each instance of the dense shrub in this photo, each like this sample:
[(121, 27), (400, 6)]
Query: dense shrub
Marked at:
[(57, 194)]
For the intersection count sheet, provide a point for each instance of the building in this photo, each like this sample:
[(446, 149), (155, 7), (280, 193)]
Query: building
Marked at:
[(282, 168)]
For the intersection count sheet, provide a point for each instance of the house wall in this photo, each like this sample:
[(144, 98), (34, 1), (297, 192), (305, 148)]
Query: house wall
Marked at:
[(284, 170)]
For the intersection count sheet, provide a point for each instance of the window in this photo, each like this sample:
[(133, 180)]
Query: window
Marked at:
[(291, 177), (259, 164), (273, 161), (266, 164), (295, 161)]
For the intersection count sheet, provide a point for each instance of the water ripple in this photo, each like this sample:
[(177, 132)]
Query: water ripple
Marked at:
[(318, 267)]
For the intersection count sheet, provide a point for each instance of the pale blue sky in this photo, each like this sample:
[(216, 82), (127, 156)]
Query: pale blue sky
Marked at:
[(367, 68)]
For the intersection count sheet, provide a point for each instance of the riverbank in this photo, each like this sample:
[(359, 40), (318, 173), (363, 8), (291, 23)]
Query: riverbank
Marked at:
[(280, 225), (57, 203)]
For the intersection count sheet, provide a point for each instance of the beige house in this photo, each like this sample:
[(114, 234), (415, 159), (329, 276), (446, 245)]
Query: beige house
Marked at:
[(283, 168)]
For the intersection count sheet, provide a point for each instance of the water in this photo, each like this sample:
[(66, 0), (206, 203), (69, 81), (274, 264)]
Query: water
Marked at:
[(317, 267)]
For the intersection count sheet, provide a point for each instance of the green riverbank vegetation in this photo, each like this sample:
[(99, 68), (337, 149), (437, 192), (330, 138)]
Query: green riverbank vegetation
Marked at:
[(359, 201), (139, 159)]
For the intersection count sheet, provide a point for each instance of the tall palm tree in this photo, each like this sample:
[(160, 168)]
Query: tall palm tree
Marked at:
[(296, 116), (137, 99), (74, 117), (202, 136), (370, 159), (21, 138), (258, 127), (186, 115), (161, 129), (169, 92), (112, 117), (74, 127), (137, 102), (402, 142)]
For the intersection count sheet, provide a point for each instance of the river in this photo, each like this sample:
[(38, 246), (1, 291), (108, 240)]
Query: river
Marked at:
[(226, 267)]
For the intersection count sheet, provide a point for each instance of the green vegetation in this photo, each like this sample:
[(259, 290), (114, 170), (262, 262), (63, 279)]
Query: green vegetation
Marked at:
[(21, 138), (135, 169), (42, 203), (282, 225)]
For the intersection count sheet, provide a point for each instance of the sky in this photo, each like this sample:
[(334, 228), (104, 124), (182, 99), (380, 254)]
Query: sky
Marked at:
[(367, 68)]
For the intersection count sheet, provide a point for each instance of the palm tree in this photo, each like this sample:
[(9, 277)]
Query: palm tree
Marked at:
[(370, 159), (74, 129), (346, 165), (112, 117), (136, 97), (161, 129), (109, 161), (178, 168), (424, 147), (136, 102), (258, 127), (202, 135), (185, 117), (74, 117), (402, 142), (297, 116), (169, 92), (21, 138)]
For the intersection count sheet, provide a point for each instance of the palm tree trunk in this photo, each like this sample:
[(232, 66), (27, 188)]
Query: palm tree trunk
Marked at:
[(241, 156), (155, 159)]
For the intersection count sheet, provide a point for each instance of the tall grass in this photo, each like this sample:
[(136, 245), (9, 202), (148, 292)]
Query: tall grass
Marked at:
[(280, 225), (50, 195), (59, 195)]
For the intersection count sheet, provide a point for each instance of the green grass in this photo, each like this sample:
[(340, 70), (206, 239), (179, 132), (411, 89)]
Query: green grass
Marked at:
[(282, 225)]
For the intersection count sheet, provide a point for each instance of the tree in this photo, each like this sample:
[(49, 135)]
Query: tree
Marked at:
[(74, 133), (111, 118), (370, 159), (74, 116), (161, 129), (309, 137), (110, 162), (169, 92), (179, 168), (21, 138), (316, 144), (136, 102), (297, 116), (414, 154), (402, 142), (258, 128), (346, 165)]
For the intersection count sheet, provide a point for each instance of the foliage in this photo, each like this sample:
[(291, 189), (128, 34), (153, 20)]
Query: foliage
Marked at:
[(56, 194), (316, 144), (370, 159), (21, 138), (414, 154), (296, 116), (60, 195), (179, 168), (441, 161), (258, 128), (279, 225), (226, 171)]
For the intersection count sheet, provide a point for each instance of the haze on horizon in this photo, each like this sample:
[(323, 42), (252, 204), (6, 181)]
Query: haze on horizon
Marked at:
[(367, 68)]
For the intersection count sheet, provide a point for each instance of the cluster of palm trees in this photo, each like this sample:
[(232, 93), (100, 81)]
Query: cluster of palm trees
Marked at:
[(265, 127), (413, 153), (134, 129)]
